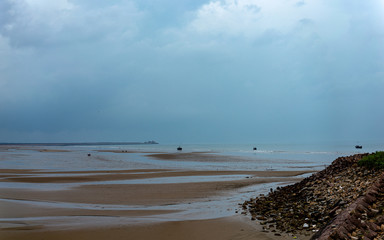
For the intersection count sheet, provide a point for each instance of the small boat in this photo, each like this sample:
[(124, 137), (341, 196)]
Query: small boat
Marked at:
[(255, 148), (358, 147), (179, 148)]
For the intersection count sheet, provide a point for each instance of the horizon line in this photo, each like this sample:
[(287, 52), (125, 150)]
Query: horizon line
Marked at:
[(78, 143)]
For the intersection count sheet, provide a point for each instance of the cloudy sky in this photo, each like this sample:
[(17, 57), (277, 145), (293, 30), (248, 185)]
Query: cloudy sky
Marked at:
[(191, 71)]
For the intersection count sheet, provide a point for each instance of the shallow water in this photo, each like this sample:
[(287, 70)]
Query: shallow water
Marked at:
[(217, 158), (156, 180), (278, 157)]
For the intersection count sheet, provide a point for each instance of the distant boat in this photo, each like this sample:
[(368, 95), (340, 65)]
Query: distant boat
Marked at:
[(179, 148), (255, 148), (358, 147)]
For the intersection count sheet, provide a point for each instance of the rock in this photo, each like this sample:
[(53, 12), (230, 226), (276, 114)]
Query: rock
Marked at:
[(373, 226), (370, 234), (343, 191)]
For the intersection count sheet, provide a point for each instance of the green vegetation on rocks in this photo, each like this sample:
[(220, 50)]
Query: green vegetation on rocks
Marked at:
[(373, 161)]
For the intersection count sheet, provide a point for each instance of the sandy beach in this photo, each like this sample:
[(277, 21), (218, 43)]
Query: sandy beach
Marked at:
[(132, 203), (222, 228)]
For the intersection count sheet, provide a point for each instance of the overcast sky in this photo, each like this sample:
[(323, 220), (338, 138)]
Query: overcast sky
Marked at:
[(191, 71)]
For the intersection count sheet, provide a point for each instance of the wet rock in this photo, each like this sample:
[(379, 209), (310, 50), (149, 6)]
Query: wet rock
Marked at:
[(313, 203), (370, 234)]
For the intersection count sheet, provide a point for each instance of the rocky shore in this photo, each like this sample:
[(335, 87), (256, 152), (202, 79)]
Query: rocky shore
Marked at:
[(344, 201)]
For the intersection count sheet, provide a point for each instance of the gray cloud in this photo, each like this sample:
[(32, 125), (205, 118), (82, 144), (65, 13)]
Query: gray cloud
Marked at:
[(65, 23), (81, 70)]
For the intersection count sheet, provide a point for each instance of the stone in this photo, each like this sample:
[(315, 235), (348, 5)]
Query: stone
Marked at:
[(370, 234), (343, 189), (373, 226)]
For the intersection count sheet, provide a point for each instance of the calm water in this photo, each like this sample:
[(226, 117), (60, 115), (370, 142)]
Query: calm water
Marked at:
[(231, 157), (224, 157)]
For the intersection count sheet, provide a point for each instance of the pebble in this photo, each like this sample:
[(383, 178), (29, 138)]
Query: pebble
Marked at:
[(311, 204)]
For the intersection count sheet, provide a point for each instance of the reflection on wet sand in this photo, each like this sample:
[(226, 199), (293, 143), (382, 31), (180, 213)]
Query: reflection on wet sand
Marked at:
[(41, 203)]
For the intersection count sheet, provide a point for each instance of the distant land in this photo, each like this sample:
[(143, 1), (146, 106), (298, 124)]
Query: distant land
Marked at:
[(82, 143)]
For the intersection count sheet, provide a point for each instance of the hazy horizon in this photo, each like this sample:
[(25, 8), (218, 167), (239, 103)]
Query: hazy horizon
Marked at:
[(224, 71)]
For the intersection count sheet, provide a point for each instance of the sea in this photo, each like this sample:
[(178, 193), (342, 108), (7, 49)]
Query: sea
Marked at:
[(279, 157), (220, 157)]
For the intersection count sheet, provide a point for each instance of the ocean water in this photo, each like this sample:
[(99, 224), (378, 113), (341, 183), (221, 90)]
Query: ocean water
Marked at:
[(223, 156), (211, 157)]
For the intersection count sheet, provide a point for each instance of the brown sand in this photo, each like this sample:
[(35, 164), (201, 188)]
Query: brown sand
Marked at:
[(195, 156), (135, 194), (18, 209), (131, 194), (234, 228), (31, 176), (237, 227)]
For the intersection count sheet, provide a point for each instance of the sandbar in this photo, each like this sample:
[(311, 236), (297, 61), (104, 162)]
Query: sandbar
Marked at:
[(88, 204)]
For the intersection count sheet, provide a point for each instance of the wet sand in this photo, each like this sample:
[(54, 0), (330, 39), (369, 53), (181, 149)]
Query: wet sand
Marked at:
[(194, 156), (95, 186), (109, 204), (224, 229)]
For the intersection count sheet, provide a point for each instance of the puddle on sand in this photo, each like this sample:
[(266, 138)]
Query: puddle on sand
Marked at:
[(160, 180), (225, 205)]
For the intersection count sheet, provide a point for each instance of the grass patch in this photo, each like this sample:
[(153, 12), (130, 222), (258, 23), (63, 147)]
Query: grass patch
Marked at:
[(373, 161)]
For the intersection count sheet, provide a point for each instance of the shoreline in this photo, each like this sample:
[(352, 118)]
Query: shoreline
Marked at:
[(172, 203), (343, 201), (155, 187), (145, 210), (237, 227), (63, 144)]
